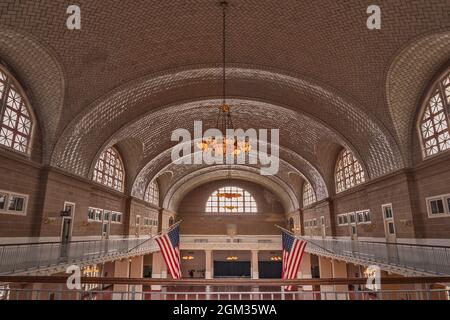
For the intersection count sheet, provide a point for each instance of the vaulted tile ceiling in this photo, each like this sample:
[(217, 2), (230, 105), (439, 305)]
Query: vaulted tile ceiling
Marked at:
[(139, 69)]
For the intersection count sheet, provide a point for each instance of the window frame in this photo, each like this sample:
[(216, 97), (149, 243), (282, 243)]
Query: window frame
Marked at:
[(445, 202), (435, 86), (363, 177), (154, 198), (246, 203), (118, 217), (308, 194), (102, 181), (11, 80), (362, 213), (100, 214), (8, 196)]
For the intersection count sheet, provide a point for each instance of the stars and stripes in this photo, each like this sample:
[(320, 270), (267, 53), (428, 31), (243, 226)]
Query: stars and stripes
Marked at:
[(169, 243), (293, 250)]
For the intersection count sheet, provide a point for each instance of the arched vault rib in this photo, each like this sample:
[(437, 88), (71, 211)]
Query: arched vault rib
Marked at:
[(300, 135), (408, 77), (288, 162), (44, 85), (93, 127), (198, 177)]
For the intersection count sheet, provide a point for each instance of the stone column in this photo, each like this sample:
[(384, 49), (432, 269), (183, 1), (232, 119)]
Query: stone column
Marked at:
[(121, 270), (208, 264), (158, 269), (255, 266), (137, 271), (326, 271), (304, 271), (340, 271)]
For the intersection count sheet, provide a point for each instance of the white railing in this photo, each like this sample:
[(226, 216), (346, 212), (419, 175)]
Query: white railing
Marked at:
[(35, 256), (138, 294), (423, 258)]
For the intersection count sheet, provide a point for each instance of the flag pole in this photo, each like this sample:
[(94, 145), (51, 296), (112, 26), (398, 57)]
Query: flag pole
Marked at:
[(300, 237), (155, 235), (285, 230)]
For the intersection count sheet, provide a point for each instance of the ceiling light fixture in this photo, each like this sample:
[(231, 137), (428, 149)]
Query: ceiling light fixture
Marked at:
[(224, 145)]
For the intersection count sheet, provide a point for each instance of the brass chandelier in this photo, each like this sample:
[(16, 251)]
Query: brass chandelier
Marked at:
[(224, 145)]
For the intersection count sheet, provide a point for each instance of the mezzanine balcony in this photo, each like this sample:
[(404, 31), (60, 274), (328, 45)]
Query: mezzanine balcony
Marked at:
[(52, 257), (405, 259)]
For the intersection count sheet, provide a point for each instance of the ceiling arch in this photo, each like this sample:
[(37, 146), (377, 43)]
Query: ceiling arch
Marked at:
[(377, 148), (288, 161), (201, 176), (41, 76), (408, 77)]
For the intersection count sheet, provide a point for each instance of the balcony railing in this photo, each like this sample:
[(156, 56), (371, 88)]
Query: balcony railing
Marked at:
[(219, 289), (42, 294), (223, 242), (16, 258), (421, 258)]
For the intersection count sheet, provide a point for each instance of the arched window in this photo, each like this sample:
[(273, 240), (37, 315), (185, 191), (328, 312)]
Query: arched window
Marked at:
[(109, 170), (348, 172), (435, 120), (309, 196), (16, 122), (231, 199), (152, 193)]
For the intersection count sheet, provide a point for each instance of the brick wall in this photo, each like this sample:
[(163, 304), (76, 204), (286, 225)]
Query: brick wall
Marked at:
[(195, 201), (22, 177), (406, 190), (196, 221)]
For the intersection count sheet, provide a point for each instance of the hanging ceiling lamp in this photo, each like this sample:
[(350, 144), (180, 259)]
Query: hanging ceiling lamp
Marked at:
[(224, 145)]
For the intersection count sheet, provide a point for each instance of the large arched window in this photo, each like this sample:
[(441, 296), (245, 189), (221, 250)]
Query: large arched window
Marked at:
[(152, 193), (435, 120), (16, 122), (231, 199), (309, 196), (348, 172), (109, 170)]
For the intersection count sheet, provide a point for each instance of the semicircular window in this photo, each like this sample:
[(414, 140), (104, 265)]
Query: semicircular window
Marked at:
[(16, 122), (348, 172), (434, 123), (109, 170), (152, 193), (231, 199)]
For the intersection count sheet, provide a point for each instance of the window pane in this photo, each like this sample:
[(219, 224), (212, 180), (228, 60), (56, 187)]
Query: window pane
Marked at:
[(309, 196), (230, 199), (16, 203), (109, 170), (2, 201), (391, 228), (434, 125), (349, 171), (437, 206), (15, 121)]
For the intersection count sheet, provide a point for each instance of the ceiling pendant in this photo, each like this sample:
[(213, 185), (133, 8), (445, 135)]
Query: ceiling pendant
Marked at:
[(224, 145)]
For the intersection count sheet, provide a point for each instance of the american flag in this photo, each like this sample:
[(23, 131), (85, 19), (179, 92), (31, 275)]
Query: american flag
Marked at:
[(169, 243), (293, 250)]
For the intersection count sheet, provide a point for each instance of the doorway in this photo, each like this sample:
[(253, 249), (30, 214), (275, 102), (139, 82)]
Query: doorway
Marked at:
[(323, 228), (352, 226), (390, 232), (66, 223), (389, 223), (106, 224), (66, 227)]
